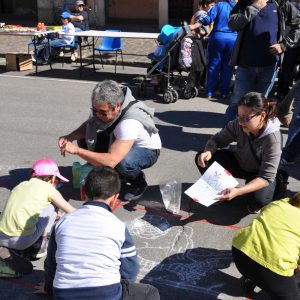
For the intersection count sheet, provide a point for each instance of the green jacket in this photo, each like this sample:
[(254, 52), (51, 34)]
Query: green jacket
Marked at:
[(245, 11)]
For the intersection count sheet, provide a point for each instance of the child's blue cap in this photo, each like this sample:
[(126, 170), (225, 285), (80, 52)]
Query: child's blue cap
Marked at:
[(65, 15)]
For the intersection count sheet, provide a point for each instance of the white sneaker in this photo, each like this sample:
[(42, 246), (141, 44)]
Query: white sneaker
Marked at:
[(33, 57), (61, 53), (73, 57)]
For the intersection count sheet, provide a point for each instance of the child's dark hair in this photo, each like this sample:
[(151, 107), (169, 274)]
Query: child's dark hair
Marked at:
[(258, 103), (102, 183), (206, 2), (295, 200)]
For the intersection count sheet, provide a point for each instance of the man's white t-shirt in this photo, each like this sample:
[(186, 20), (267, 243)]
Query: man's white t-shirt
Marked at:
[(130, 129)]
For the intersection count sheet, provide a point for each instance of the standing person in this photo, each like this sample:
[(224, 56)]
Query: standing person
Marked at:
[(29, 213), (119, 133), (257, 154), (267, 251), (107, 268), (291, 148), (261, 39), (220, 44)]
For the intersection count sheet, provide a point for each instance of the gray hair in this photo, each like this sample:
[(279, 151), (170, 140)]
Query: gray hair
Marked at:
[(107, 91)]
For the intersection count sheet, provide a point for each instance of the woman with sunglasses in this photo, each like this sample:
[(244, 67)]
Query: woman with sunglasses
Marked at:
[(257, 154)]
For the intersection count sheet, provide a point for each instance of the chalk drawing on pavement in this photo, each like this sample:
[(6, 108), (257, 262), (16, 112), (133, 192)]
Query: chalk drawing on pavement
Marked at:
[(167, 257)]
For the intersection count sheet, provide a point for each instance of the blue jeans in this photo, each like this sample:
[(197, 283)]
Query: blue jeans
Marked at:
[(292, 146), (43, 50), (130, 168), (219, 71), (257, 79)]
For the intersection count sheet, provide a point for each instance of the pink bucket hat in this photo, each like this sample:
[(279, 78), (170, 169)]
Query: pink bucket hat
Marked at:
[(46, 167)]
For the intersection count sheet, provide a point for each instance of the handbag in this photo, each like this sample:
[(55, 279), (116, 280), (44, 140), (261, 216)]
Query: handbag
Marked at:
[(281, 178)]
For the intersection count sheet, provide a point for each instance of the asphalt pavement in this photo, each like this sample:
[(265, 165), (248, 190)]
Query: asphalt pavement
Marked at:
[(186, 256)]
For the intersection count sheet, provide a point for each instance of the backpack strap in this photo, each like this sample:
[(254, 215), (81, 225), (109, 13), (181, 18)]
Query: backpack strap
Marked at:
[(110, 129)]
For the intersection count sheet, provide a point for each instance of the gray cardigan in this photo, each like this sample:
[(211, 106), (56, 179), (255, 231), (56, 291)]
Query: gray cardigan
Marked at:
[(267, 147)]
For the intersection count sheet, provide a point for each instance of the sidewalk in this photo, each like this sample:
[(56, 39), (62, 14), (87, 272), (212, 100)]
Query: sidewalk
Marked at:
[(134, 50)]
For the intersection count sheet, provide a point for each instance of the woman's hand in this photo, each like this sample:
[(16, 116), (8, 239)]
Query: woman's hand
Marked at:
[(228, 194), (203, 157)]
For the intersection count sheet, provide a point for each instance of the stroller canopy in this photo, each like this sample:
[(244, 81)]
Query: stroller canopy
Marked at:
[(168, 33)]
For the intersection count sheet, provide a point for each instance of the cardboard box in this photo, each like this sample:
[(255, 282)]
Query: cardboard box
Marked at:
[(18, 62)]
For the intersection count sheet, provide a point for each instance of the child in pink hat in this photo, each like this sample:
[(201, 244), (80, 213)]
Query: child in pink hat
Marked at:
[(29, 213)]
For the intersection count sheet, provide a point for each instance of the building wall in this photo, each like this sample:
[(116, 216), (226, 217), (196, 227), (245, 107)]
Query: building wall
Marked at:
[(133, 9)]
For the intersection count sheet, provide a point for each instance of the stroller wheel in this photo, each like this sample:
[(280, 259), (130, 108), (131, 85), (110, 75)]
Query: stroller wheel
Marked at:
[(168, 96), (188, 92), (194, 92), (175, 95)]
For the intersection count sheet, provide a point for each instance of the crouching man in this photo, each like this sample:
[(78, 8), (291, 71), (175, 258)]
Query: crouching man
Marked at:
[(119, 133)]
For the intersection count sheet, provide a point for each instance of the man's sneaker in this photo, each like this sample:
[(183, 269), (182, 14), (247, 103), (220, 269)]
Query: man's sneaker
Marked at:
[(39, 248), (61, 53), (15, 261), (136, 191)]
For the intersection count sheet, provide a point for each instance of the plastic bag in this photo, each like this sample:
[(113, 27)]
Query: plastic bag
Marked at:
[(171, 195)]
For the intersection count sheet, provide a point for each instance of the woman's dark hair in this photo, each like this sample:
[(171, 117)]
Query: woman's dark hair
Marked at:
[(102, 183), (258, 103), (295, 200)]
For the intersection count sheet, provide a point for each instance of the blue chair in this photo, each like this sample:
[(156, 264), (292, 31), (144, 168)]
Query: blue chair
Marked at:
[(111, 44)]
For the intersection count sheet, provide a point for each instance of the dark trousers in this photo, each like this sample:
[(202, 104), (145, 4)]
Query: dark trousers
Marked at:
[(285, 77), (228, 161), (138, 291), (276, 286)]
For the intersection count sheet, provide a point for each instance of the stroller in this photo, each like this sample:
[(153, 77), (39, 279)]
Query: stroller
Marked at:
[(178, 52)]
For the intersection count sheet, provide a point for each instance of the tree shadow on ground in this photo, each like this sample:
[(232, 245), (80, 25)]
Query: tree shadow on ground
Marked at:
[(224, 213), (192, 119), (173, 137), (195, 274), (16, 176)]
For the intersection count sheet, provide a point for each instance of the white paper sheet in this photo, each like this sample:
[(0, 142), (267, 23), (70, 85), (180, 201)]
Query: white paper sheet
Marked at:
[(212, 182)]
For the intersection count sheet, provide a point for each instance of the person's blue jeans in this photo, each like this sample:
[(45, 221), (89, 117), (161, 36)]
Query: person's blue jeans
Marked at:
[(292, 146), (43, 50), (130, 168), (219, 71), (255, 79)]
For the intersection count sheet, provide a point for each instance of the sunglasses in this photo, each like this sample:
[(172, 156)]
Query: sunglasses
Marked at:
[(100, 112), (246, 119), (80, 5)]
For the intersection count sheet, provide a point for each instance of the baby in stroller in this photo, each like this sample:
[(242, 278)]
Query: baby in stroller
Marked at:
[(178, 51)]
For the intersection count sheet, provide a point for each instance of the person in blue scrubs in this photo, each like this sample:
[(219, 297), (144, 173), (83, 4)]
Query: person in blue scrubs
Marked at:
[(220, 46)]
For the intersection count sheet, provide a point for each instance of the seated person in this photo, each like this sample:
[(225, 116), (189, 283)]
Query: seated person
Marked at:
[(132, 140), (29, 213), (267, 251), (257, 154), (80, 17), (80, 20), (94, 263), (63, 40)]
